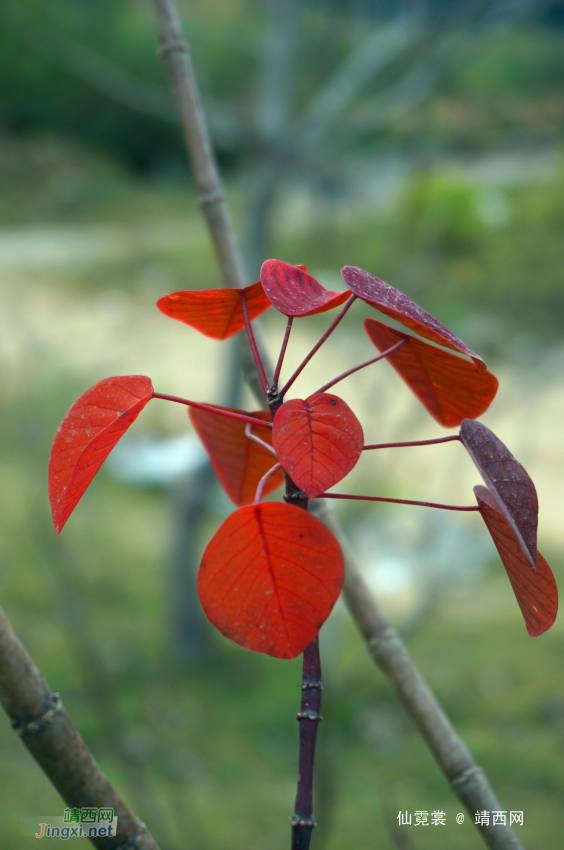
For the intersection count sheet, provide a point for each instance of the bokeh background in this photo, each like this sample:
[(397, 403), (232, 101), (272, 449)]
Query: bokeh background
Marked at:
[(422, 141)]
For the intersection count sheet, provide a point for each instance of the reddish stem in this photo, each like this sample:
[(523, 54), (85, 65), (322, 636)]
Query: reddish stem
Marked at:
[(252, 342), (282, 351), (263, 480), (220, 412), (398, 501), (318, 345), (413, 443), (346, 374), (303, 820)]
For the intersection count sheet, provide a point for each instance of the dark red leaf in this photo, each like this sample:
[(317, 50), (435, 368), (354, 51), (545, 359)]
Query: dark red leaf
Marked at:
[(509, 483), (398, 306), (239, 462), (536, 592), (449, 387), (294, 292), (214, 312), (318, 441), (269, 578), (86, 436)]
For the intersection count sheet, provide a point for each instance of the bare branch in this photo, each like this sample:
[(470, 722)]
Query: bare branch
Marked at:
[(47, 731)]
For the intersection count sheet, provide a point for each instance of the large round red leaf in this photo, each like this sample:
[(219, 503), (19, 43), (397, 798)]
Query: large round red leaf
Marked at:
[(447, 385), (86, 436), (318, 441), (509, 483), (536, 593), (398, 306), (294, 292), (269, 578), (217, 313), (238, 461)]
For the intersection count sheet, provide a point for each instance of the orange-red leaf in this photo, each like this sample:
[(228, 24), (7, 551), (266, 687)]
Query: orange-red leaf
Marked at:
[(86, 436), (269, 578), (449, 387), (318, 441), (509, 483), (214, 312), (239, 462), (294, 292), (536, 593), (398, 306)]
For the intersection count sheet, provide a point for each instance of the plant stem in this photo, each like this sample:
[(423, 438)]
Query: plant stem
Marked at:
[(252, 343), (278, 369), (47, 731), (250, 436), (318, 345), (398, 501), (303, 820), (412, 443), (263, 480), (220, 411), (346, 374)]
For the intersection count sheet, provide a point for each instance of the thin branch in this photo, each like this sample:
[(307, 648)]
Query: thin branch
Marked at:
[(263, 480), (250, 436), (242, 417), (278, 369), (412, 443), (252, 343), (398, 501), (303, 821), (346, 374), (466, 779), (318, 345), (38, 717)]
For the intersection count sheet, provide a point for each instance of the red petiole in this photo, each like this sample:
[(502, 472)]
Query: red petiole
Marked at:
[(346, 374), (412, 443), (263, 480), (220, 412), (398, 501), (318, 345), (252, 343), (282, 351)]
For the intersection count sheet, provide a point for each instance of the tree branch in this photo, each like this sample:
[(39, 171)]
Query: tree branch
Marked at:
[(466, 779), (47, 731)]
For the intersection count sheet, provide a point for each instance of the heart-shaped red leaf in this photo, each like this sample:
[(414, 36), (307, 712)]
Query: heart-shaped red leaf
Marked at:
[(294, 292), (449, 387), (318, 441), (217, 313), (91, 428), (536, 592), (509, 483), (269, 578), (398, 306), (238, 461)]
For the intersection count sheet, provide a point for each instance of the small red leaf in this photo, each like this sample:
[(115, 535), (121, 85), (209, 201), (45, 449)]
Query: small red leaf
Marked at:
[(86, 436), (217, 313), (449, 387), (398, 306), (239, 462), (294, 292), (508, 482), (536, 593), (269, 578), (318, 441)]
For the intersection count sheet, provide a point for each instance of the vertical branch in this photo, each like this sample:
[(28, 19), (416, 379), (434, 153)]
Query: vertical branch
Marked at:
[(303, 820)]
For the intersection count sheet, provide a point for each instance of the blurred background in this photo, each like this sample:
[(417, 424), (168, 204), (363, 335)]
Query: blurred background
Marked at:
[(422, 141)]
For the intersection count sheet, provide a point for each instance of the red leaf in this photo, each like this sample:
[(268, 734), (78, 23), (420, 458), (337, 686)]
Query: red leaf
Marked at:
[(239, 462), (86, 436), (294, 292), (508, 482), (449, 387), (214, 312), (398, 306), (318, 441), (269, 578), (536, 592)]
